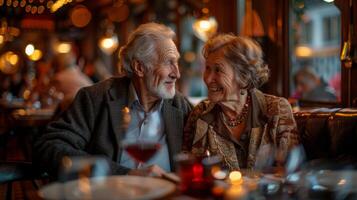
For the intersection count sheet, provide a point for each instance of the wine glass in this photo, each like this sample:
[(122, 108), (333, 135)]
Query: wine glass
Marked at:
[(141, 148)]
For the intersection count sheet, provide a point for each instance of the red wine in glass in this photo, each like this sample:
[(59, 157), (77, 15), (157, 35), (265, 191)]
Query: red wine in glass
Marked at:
[(142, 151)]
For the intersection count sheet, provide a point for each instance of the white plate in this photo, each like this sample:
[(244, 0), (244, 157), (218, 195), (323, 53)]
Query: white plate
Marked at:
[(112, 187)]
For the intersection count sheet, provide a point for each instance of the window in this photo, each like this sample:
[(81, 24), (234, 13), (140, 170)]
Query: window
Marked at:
[(306, 36), (314, 40), (331, 25)]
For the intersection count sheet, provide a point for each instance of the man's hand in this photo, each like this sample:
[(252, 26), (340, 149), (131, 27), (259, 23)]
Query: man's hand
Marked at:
[(152, 170)]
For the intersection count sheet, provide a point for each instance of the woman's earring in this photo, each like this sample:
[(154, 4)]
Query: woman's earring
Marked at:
[(242, 92)]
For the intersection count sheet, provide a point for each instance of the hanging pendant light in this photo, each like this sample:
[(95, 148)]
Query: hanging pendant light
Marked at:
[(205, 27), (109, 42)]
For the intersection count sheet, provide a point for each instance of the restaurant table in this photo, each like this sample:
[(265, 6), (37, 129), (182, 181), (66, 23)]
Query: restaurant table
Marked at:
[(22, 127), (6, 108), (134, 187), (11, 105), (171, 191), (31, 117)]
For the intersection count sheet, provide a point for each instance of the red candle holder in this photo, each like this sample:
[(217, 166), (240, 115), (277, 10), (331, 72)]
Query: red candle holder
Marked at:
[(195, 174)]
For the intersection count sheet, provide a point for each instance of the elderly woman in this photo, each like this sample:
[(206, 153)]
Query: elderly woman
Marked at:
[(237, 118)]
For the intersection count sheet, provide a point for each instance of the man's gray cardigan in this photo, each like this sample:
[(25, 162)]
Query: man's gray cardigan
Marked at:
[(93, 126)]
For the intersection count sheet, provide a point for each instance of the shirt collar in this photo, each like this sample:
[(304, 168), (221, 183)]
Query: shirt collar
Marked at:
[(132, 97)]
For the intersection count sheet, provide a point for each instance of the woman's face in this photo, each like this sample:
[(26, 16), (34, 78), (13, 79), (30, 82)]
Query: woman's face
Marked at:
[(219, 77)]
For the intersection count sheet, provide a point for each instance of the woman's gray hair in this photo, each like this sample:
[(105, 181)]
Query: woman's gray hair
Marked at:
[(142, 45), (244, 55)]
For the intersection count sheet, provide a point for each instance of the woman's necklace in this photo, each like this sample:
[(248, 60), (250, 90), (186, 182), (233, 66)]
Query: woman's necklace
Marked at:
[(233, 122)]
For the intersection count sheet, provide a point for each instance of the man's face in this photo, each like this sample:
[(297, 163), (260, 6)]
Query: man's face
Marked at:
[(161, 77)]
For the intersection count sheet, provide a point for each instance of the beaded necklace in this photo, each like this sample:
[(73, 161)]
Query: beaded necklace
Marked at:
[(233, 122)]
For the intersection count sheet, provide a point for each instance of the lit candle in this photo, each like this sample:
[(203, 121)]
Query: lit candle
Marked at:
[(235, 178), (235, 192)]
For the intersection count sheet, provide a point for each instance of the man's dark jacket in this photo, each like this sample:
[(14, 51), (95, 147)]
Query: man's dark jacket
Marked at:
[(93, 126)]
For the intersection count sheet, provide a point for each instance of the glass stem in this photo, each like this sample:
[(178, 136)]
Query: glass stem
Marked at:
[(139, 165)]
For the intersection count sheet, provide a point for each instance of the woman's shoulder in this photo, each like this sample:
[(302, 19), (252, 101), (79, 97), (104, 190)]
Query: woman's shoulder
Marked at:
[(275, 104), (201, 106), (275, 99), (201, 109)]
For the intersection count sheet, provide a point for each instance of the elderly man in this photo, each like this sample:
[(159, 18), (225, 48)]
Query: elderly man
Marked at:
[(94, 123)]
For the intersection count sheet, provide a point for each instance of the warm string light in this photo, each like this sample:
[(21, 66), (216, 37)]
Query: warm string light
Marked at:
[(36, 7), (7, 33), (58, 4)]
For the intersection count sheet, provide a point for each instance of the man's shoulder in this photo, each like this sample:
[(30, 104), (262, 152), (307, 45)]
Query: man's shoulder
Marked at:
[(180, 101), (179, 96), (264, 98), (104, 86)]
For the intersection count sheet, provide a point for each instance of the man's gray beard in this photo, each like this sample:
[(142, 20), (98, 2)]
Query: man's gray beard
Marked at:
[(161, 91)]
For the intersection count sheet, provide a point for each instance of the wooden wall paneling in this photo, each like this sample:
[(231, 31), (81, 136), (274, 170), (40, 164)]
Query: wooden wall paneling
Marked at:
[(354, 65), (348, 75), (225, 12), (274, 17)]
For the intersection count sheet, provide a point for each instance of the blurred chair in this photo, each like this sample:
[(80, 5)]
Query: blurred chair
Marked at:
[(18, 172)]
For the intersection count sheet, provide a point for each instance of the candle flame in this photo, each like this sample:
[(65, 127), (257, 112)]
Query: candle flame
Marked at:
[(235, 177), (208, 153)]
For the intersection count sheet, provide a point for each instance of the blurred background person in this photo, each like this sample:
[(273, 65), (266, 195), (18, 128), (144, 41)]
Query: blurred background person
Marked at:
[(68, 77), (335, 83), (309, 86)]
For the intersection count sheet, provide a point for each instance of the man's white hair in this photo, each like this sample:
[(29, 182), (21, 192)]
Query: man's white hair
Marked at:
[(142, 45)]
